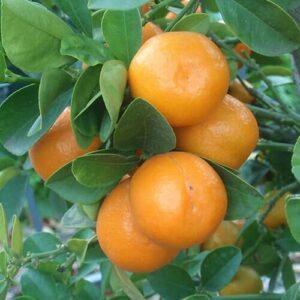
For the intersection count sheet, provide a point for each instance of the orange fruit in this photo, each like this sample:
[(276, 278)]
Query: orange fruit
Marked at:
[(171, 16), (183, 74), (243, 51), (177, 199), (246, 281), (150, 30), (58, 147), (228, 135), (238, 91), (226, 234), (145, 8), (276, 216), (122, 241)]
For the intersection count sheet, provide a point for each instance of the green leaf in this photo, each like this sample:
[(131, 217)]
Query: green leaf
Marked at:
[(31, 36), (40, 242), (123, 33), (292, 210), (17, 236), (219, 267), (66, 186), (287, 4), (143, 127), (24, 298), (255, 22), (116, 4), (7, 174), (54, 96), (113, 78), (84, 112), (3, 263), (172, 283), (197, 297), (288, 274), (2, 66), (3, 289), (292, 293), (127, 286), (195, 23), (76, 218), (38, 285), (295, 160), (106, 268), (243, 199), (85, 49), (3, 226), (79, 14), (102, 169), (15, 126), (12, 196), (79, 247), (86, 290)]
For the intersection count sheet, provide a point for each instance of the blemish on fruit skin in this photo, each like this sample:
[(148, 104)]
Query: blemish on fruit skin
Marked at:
[(191, 188)]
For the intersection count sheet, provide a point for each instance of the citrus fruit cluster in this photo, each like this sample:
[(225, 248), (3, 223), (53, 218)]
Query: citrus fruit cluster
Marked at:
[(173, 201)]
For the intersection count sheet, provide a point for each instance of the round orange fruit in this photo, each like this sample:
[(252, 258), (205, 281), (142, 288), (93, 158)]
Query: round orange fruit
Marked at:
[(122, 241), (58, 147), (150, 30), (183, 74), (177, 199), (238, 91), (227, 136)]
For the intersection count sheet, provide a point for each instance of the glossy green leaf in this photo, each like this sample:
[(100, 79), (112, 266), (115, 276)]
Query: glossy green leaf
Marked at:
[(79, 247), (86, 290), (292, 210), (292, 293), (106, 268), (40, 242), (288, 274), (85, 49), (197, 297), (127, 285), (2, 66), (31, 35), (76, 218), (64, 184), (172, 283), (3, 262), (116, 4), (84, 112), (3, 226), (17, 236), (195, 23), (243, 199), (219, 267), (256, 24), (79, 14), (102, 169), (287, 4), (12, 196), (38, 285), (7, 174), (122, 31), (143, 127), (15, 127), (54, 96), (296, 160), (113, 79)]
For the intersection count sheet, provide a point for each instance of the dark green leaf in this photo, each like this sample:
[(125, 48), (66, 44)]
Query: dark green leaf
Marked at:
[(76, 218), (78, 12), (106, 268), (2, 66), (24, 298), (292, 293), (172, 283), (287, 4), (219, 267), (40, 242), (54, 96), (84, 49), (244, 200), (195, 23), (143, 127), (17, 236), (256, 24), (31, 35), (113, 78), (38, 285), (197, 297), (86, 290), (64, 184), (288, 274), (84, 113), (296, 160), (12, 196), (3, 226), (116, 4), (102, 170), (123, 33), (292, 210)]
